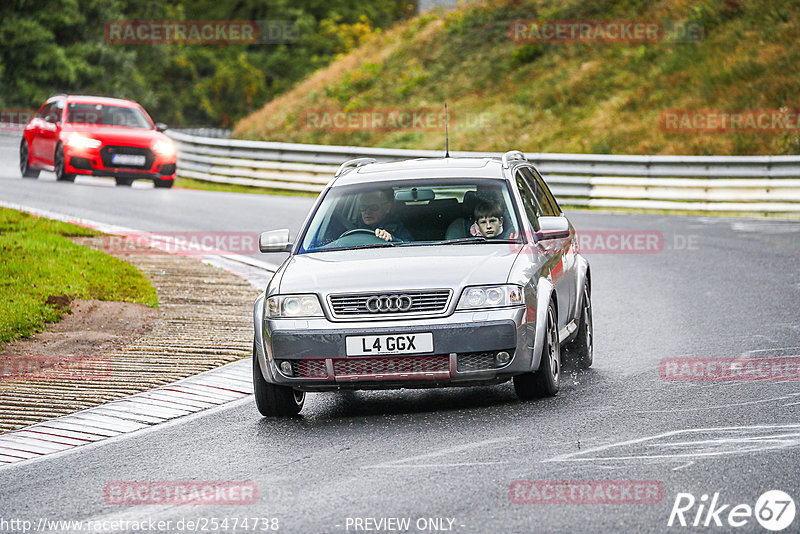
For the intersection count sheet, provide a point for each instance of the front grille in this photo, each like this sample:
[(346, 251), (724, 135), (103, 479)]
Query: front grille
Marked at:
[(477, 361), (429, 302), (309, 368), (389, 366), (107, 151)]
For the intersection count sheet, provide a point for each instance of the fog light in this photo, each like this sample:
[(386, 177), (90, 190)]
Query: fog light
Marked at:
[(503, 358), (286, 368)]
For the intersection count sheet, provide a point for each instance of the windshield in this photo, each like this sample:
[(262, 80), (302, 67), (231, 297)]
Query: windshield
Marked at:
[(103, 115), (442, 211)]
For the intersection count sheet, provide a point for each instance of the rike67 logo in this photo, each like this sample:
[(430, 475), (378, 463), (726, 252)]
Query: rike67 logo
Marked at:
[(774, 510)]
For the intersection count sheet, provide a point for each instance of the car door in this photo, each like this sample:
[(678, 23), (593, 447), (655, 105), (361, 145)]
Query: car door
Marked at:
[(35, 147), (50, 130), (569, 258), (556, 249), (552, 250)]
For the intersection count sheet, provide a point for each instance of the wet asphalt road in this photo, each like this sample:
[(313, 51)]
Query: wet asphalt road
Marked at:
[(716, 288)]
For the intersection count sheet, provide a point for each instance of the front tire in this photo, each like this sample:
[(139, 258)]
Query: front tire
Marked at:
[(25, 161), (59, 163), (581, 349), (544, 382), (165, 184), (273, 400)]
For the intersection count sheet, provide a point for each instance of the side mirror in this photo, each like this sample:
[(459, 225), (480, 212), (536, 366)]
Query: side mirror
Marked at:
[(552, 228), (274, 241), (52, 118), (160, 126)]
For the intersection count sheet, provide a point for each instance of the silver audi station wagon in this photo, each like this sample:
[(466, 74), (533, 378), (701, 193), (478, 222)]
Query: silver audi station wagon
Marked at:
[(423, 273)]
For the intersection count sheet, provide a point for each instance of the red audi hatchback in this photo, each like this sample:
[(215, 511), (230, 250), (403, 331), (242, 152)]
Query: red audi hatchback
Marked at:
[(97, 136)]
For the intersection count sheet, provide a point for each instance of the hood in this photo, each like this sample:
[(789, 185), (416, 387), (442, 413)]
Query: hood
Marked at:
[(398, 268), (112, 135)]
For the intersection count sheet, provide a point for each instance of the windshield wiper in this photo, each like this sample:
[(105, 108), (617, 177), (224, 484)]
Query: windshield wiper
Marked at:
[(463, 240), (475, 239), (326, 248)]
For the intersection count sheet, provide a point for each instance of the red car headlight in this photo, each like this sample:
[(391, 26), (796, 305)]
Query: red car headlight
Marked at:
[(164, 148), (81, 141)]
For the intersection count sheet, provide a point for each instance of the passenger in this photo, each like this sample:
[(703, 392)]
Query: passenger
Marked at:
[(488, 220), (376, 214)]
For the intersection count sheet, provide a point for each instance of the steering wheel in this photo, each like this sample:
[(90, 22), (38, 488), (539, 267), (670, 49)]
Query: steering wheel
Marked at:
[(358, 231)]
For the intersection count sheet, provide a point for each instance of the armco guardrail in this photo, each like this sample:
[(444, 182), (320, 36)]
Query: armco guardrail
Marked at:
[(769, 184)]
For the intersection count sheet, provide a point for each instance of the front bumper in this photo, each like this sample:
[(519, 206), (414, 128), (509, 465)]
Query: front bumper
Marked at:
[(465, 347), (92, 162)]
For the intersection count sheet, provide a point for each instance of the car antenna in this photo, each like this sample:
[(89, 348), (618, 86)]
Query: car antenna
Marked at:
[(446, 132)]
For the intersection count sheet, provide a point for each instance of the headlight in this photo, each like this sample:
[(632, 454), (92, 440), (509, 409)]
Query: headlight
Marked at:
[(474, 298), (81, 141), (164, 148), (283, 306)]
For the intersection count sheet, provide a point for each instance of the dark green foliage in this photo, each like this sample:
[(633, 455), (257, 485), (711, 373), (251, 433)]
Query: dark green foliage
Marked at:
[(58, 46)]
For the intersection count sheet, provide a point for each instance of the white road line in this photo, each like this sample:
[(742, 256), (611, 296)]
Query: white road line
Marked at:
[(682, 466), (704, 408), (574, 457), (428, 466), (404, 462)]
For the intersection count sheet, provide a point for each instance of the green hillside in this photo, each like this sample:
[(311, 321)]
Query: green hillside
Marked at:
[(585, 97)]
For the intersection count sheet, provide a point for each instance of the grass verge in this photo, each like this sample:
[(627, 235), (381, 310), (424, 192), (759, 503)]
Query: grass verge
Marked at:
[(37, 260)]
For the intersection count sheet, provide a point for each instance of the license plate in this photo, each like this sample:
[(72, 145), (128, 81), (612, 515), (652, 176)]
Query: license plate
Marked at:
[(389, 344), (128, 159)]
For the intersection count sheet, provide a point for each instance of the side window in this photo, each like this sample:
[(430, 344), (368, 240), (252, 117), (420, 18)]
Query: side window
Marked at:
[(45, 110), (58, 108), (548, 209), (549, 194), (532, 209)]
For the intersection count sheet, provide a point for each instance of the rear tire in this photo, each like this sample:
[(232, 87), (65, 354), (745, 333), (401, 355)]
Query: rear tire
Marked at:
[(25, 162), (273, 400), (59, 164), (127, 182), (545, 381), (165, 184), (581, 349)]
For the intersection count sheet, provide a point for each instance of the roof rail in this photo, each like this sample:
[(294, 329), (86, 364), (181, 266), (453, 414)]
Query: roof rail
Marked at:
[(512, 155), (354, 163)]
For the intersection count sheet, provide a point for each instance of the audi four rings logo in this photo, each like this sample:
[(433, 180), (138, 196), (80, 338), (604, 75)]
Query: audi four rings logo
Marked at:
[(389, 303)]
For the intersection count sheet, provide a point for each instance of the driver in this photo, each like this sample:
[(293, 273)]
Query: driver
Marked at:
[(375, 208)]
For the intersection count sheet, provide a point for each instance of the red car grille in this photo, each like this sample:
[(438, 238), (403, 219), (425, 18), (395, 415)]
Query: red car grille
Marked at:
[(389, 366), (107, 153), (309, 369)]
